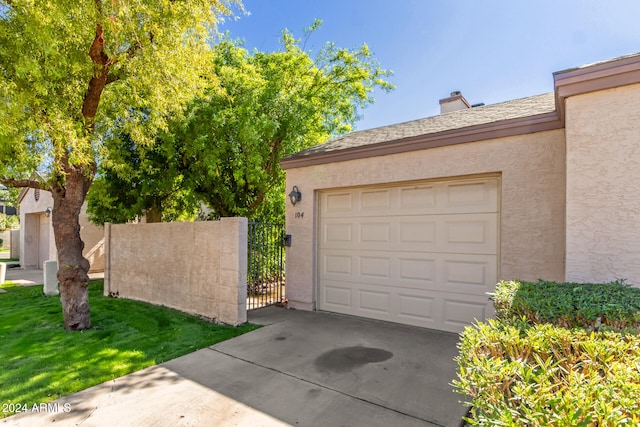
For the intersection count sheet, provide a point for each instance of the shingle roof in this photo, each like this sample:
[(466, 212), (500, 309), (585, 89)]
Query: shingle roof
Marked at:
[(519, 108)]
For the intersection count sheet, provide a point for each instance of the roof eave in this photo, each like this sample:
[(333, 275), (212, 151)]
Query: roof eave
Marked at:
[(484, 131), (590, 78)]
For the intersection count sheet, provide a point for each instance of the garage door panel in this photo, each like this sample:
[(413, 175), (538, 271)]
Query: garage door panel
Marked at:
[(361, 299), (376, 266), (476, 196), (375, 232), (336, 263), (460, 311), (342, 266), (441, 310), (469, 197), (374, 301), (337, 297), (422, 254), (417, 232), (375, 201), (417, 309), (336, 204), (338, 234), (438, 310), (469, 274), (412, 268), (402, 269), (472, 234), (419, 198)]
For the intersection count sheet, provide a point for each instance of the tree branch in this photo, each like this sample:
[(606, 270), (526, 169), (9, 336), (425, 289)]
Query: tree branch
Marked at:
[(96, 51), (99, 80), (258, 201), (22, 183), (272, 155)]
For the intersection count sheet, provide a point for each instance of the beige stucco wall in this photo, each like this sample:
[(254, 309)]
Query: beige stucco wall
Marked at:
[(603, 202), (5, 235), (196, 267), (532, 218), (15, 244), (93, 237), (31, 219), (30, 228)]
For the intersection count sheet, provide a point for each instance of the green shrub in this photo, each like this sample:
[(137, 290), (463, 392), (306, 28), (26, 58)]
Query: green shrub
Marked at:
[(561, 354), (521, 374), (8, 222), (602, 306)]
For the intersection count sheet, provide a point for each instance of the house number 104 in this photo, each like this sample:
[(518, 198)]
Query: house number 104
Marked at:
[(299, 215)]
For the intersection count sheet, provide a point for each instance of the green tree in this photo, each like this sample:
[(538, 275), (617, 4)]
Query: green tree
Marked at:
[(74, 73), (135, 182), (10, 196), (226, 151), (8, 222)]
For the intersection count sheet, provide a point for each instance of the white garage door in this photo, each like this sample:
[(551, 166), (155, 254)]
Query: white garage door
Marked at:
[(422, 254)]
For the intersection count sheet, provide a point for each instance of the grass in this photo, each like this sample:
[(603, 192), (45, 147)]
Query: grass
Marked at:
[(40, 361)]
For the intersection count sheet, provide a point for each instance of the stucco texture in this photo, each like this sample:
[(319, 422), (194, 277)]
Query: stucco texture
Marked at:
[(603, 207), (33, 231), (33, 223), (532, 201), (196, 267)]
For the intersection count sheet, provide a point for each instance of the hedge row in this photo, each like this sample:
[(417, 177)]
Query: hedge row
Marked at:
[(518, 374), (527, 368), (603, 306)]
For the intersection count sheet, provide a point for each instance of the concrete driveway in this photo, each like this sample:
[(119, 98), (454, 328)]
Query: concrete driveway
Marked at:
[(301, 369)]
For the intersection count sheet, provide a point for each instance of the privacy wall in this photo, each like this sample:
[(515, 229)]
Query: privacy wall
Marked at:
[(196, 267)]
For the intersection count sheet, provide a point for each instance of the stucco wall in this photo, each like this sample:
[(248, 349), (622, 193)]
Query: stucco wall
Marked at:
[(15, 244), (30, 230), (532, 218), (93, 237), (31, 212), (196, 267), (603, 202), (6, 239)]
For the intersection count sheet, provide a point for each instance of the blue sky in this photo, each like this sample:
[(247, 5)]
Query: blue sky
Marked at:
[(490, 50)]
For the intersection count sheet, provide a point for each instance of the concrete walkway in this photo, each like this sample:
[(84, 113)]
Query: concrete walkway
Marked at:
[(300, 369), (30, 276)]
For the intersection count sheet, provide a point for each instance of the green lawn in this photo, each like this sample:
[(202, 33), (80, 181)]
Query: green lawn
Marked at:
[(40, 361)]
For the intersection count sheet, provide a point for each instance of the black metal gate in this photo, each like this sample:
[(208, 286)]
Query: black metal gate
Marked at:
[(265, 265)]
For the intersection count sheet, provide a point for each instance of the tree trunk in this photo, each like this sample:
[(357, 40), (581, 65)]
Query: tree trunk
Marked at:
[(153, 214), (69, 191), (73, 267)]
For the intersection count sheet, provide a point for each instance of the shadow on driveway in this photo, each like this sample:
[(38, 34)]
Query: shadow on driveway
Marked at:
[(300, 369)]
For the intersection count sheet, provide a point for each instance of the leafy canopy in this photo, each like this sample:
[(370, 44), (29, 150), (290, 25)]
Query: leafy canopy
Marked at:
[(225, 153), (46, 68)]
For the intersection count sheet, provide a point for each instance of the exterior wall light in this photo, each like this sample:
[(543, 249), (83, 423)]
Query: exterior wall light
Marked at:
[(295, 196), (47, 212)]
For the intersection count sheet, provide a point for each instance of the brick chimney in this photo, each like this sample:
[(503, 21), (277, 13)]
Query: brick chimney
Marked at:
[(454, 103)]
